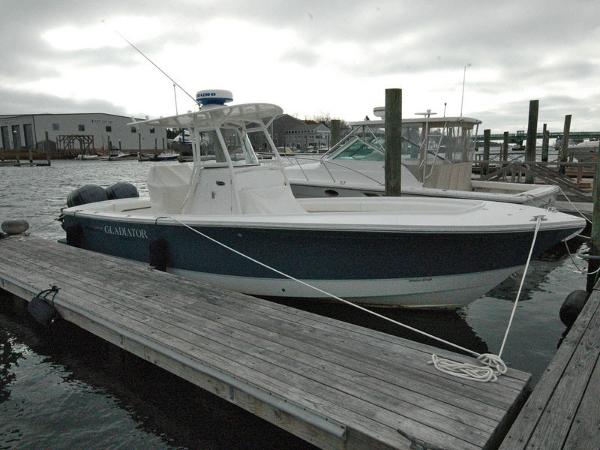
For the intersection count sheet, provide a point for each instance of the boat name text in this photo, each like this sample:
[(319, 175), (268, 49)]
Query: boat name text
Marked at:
[(125, 231)]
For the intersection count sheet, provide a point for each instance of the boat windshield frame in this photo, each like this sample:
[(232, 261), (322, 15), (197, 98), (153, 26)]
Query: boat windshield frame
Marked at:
[(242, 119)]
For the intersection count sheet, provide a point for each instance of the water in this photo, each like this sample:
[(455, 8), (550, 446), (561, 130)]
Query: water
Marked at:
[(70, 389)]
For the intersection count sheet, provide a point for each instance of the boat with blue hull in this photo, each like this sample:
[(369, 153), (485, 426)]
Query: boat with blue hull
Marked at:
[(214, 219)]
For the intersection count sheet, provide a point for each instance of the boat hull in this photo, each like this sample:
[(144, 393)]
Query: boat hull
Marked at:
[(385, 268)]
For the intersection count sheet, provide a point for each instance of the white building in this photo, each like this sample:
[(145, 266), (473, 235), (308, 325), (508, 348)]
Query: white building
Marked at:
[(92, 131)]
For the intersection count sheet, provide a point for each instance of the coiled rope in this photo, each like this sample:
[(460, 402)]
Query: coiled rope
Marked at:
[(491, 365)]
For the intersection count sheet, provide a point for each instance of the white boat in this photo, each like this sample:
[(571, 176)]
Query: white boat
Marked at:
[(437, 160), (203, 217), (162, 156), (586, 151), (87, 157)]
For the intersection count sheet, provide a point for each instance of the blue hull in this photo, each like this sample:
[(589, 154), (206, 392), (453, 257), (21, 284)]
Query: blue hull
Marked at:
[(308, 254)]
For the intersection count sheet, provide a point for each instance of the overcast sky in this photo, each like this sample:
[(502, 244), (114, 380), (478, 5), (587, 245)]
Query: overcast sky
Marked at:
[(310, 57)]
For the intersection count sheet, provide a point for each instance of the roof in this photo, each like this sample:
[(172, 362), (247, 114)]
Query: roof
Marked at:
[(13, 116), (433, 121)]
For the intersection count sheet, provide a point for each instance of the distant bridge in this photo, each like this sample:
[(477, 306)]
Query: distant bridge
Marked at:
[(521, 136)]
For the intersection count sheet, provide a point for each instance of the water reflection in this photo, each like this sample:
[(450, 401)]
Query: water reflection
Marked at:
[(76, 390), (9, 357)]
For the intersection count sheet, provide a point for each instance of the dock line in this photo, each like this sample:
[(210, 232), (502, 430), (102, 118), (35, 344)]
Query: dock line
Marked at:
[(493, 365)]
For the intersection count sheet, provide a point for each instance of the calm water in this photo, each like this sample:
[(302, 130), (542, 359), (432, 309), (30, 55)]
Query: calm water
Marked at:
[(68, 389)]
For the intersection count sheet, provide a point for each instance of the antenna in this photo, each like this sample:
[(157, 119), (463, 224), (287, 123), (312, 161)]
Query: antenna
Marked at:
[(462, 96), (175, 83), (175, 95)]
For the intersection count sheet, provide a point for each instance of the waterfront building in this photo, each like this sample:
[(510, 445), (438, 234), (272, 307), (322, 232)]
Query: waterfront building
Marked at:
[(71, 134), (288, 131)]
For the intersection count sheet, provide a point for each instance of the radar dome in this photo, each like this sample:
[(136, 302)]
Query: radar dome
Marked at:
[(213, 97)]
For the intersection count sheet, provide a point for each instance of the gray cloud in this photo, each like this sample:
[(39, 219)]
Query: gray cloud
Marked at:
[(304, 57), (514, 38), (552, 110), (18, 102)]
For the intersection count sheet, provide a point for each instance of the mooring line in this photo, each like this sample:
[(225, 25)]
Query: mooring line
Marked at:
[(493, 365)]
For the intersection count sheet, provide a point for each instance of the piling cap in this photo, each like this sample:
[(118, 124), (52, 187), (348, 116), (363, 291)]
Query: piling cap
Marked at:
[(213, 97)]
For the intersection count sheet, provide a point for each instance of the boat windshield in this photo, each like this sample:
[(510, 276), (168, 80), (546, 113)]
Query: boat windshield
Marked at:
[(361, 150), (447, 140), (237, 145)]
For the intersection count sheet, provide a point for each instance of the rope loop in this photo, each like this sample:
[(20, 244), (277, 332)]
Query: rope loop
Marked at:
[(491, 367)]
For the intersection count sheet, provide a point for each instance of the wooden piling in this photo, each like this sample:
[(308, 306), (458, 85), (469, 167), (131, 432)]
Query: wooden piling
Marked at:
[(335, 131), (593, 264), (531, 137), (564, 145), (545, 139), (393, 141), (505, 147), (47, 146), (486, 152)]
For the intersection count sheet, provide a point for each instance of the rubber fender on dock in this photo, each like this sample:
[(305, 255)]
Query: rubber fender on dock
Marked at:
[(159, 254), (74, 234), (90, 193), (572, 306), (15, 226), (121, 190), (41, 307)]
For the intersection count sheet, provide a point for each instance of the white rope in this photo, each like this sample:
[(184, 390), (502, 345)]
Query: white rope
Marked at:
[(489, 371), (578, 269), (514, 309), (573, 205), (492, 365)]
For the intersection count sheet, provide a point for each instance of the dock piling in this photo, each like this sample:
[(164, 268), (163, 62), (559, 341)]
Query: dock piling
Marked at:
[(564, 145), (504, 155), (335, 131), (486, 152), (393, 141), (47, 146), (545, 139), (531, 138)]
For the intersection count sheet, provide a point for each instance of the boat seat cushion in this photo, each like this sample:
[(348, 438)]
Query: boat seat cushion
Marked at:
[(264, 191), (168, 185), (455, 176)]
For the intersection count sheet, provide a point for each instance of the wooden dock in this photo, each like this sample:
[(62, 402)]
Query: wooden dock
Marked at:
[(563, 411), (333, 384)]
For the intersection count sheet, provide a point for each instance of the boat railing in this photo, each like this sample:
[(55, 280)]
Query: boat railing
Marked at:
[(325, 163)]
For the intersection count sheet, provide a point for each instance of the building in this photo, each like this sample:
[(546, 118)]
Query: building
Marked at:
[(71, 134), (288, 131)]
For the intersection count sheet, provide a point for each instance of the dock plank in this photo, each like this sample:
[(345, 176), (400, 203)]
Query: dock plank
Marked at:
[(334, 384), (427, 429), (317, 323), (584, 432), (408, 359), (557, 412)]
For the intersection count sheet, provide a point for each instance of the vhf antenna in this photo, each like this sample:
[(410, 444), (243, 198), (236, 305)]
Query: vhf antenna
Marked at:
[(175, 83)]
